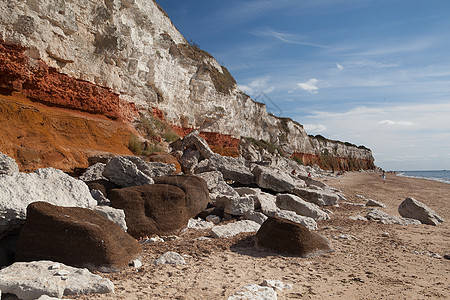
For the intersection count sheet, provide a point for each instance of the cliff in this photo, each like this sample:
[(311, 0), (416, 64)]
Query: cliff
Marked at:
[(117, 58)]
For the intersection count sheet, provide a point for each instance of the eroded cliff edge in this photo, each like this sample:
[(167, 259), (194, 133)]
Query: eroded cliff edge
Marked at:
[(129, 56)]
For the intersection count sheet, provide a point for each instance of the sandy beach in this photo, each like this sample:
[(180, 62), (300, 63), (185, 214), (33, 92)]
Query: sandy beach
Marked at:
[(370, 260)]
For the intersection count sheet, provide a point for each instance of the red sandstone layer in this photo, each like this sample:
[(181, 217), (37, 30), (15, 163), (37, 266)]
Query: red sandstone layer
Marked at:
[(41, 83)]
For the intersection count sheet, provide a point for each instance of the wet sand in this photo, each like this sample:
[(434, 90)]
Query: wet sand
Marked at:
[(370, 261)]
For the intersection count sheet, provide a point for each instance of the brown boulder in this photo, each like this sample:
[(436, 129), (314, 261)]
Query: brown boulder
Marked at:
[(288, 237), (196, 189), (102, 185), (165, 158), (152, 209), (74, 236)]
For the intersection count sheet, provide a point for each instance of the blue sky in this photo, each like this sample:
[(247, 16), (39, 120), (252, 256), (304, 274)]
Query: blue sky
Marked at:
[(371, 72)]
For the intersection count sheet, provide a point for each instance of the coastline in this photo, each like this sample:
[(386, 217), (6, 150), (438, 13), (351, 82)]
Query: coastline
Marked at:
[(370, 260)]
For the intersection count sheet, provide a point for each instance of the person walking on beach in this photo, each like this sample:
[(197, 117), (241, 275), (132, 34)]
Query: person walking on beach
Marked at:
[(384, 177)]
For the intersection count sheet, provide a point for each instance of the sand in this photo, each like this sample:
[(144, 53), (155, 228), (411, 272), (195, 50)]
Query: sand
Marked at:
[(366, 264)]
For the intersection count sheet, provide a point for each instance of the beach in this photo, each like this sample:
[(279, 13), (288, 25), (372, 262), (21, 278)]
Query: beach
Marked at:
[(370, 260)]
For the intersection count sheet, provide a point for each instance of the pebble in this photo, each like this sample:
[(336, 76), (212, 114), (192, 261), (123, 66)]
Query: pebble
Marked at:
[(136, 263), (385, 234), (447, 256)]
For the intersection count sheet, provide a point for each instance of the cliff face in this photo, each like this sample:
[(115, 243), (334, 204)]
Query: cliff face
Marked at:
[(128, 51)]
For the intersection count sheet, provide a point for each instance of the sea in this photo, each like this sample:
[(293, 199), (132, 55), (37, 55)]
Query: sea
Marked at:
[(441, 176)]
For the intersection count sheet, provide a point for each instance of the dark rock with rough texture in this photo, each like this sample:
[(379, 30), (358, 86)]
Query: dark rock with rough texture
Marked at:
[(75, 236), (195, 188), (152, 209), (413, 209), (288, 237)]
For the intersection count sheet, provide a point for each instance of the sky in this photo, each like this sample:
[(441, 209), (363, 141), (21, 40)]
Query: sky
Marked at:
[(370, 72)]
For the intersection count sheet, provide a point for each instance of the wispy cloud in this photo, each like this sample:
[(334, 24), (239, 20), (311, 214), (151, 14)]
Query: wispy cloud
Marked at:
[(314, 128), (340, 67), (393, 123), (289, 38), (310, 86)]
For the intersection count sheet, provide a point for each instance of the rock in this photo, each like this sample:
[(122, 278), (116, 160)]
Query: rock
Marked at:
[(308, 222), (51, 185), (136, 263), (371, 202), (277, 285), (321, 198), (199, 224), (102, 185), (212, 179), (189, 160), (213, 219), (222, 189), (125, 173), (288, 237), (413, 209), (94, 172), (266, 202), (113, 214), (45, 297), (312, 182), (301, 207), (30, 280), (275, 180), (100, 198), (152, 169), (170, 258), (216, 211), (231, 168), (232, 229), (384, 218), (74, 236), (254, 292), (194, 141), (8, 166), (256, 217), (237, 206), (447, 256), (196, 190), (152, 209), (358, 218), (243, 191), (165, 158)]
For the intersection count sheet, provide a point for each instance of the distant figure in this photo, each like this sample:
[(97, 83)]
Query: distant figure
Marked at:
[(384, 177), (293, 172), (309, 174)]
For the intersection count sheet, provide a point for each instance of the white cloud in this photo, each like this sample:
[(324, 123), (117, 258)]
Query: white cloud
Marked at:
[(309, 86), (314, 128), (257, 86), (339, 66), (391, 123)]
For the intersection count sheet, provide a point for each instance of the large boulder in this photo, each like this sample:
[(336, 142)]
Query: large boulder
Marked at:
[(152, 169), (301, 207), (288, 215), (275, 180), (8, 166), (152, 209), (194, 141), (232, 168), (384, 218), (288, 237), (237, 206), (31, 280), (212, 178), (50, 185), (319, 197), (75, 236), (94, 172), (413, 209), (196, 190), (124, 173)]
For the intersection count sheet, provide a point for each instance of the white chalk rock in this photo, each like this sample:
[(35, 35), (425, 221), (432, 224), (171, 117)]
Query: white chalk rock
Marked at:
[(413, 209), (8, 166), (125, 173), (254, 292), (232, 229), (49, 185), (292, 216), (171, 258), (113, 214), (301, 207), (94, 172), (31, 280)]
